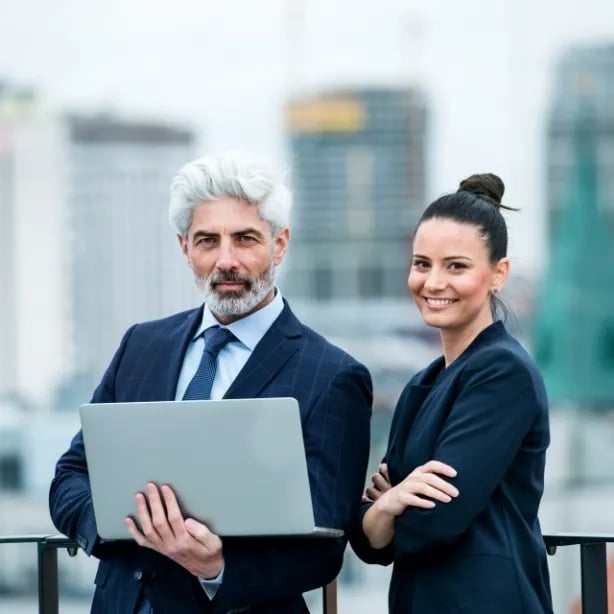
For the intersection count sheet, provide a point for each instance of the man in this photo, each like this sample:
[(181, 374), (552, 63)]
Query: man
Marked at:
[(231, 214)]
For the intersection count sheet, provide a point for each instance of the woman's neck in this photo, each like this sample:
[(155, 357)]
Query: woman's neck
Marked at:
[(456, 341)]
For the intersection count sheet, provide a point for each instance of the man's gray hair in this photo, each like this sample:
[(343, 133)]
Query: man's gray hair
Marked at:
[(234, 174)]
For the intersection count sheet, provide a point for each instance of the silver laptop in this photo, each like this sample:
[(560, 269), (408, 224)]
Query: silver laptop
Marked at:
[(237, 465)]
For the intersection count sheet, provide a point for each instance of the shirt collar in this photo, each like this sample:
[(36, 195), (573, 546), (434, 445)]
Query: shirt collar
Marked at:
[(250, 329)]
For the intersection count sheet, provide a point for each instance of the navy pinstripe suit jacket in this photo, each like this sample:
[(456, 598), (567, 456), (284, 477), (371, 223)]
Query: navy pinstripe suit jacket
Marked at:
[(261, 575)]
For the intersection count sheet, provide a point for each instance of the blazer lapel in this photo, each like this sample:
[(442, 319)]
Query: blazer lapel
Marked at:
[(179, 338), (273, 351)]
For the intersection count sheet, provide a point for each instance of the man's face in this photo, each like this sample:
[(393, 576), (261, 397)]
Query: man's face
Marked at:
[(233, 255)]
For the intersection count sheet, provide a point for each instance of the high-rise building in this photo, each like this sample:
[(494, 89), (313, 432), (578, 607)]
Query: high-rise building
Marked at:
[(358, 163), (33, 299), (85, 244), (584, 82), (126, 265)]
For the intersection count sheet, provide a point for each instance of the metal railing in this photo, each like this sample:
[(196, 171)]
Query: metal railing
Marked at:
[(593, 562), (47, 566)]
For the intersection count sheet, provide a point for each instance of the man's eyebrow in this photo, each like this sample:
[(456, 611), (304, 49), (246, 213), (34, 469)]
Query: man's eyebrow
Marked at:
[(247, 231)]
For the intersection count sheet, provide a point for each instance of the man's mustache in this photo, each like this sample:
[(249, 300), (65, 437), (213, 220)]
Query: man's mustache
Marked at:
[(228, 276)]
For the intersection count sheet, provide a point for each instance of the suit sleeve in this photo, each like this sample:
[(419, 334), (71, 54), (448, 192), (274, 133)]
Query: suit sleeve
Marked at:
[(336, 433), (358, 540), (497, 403), (70, 496)]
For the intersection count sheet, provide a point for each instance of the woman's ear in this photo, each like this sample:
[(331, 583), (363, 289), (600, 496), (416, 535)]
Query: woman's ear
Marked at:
[(501, 272)]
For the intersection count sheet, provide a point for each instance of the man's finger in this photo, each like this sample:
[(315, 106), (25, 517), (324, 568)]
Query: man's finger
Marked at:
[(201, 533), (143, 514), (158, 513), (133, 529), (173, 513)]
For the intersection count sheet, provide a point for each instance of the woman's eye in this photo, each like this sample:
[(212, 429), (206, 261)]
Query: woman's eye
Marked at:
[(457, 266), (420, 264)]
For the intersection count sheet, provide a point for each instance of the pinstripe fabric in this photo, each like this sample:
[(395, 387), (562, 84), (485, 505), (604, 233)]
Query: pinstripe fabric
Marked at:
[(144, 607), (334, 395)]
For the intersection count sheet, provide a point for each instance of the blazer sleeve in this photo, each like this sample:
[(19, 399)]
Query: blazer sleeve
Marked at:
[(498, 401), (358, 540), (70, 496), (336, 433)]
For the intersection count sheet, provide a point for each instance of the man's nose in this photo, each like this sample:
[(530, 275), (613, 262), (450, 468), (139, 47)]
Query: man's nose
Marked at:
[(227, 256)]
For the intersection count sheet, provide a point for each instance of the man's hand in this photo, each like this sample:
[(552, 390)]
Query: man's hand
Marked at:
[(187, 542)]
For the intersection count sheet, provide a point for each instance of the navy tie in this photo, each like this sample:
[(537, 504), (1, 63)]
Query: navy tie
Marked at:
[(200, 386)]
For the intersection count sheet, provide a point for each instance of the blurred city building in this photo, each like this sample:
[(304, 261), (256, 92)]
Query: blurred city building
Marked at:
[(358, 164), (85, 244), (125, 262), (574, 336), (33, 289), (584, 77), (358, 159), (573, 339)]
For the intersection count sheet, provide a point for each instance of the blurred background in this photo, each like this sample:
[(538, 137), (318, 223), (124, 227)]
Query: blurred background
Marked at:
[(374, 108)]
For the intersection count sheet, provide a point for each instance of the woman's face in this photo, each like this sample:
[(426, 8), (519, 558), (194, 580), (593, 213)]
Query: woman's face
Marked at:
[(451, 277)]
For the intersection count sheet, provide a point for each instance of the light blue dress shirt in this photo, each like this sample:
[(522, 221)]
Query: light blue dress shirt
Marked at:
[(231, 359)]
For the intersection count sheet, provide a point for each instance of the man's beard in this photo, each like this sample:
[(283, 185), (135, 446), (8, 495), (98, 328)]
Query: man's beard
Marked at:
[(238, 302)]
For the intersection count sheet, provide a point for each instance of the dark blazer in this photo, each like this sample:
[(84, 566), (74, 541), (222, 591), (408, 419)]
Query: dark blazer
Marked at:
[(334, 394), (486, 415)]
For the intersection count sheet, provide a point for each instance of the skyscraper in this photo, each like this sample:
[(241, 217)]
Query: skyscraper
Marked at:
[(32, 290), (126, 265), (584, 82), (85, 244), (358, 167)]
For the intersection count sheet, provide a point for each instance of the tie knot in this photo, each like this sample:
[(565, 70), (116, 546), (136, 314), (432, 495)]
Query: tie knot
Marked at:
[(216, 338)]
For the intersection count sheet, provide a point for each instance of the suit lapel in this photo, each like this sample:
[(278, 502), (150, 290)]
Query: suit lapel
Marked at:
[(273, 351), (179, 337)]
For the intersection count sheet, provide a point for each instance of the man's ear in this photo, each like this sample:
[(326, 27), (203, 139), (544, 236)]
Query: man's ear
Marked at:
[(281, 245), (184, 245)]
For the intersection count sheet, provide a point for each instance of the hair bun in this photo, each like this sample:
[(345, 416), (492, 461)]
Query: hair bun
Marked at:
[(486, 185)]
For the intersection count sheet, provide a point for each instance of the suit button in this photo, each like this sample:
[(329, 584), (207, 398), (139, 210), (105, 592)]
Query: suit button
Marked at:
[(137, 575)]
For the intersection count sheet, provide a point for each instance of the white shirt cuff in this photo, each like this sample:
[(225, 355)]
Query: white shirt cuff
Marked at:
[(212, 586)]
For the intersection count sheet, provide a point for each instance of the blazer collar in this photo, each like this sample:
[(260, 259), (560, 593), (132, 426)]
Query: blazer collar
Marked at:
[(183, 332), (279, 343)]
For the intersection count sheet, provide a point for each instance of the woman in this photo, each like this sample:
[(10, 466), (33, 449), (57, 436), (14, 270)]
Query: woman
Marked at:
[(455, 503)]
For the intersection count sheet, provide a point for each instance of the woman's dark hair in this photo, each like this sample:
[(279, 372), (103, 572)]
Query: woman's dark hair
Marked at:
[(477, 202)]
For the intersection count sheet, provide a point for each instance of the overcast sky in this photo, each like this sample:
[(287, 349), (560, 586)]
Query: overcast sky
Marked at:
[(226, 68)]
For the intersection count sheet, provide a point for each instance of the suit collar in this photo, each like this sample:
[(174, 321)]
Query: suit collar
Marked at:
[(279, 343), (437, 371), (180, 337)]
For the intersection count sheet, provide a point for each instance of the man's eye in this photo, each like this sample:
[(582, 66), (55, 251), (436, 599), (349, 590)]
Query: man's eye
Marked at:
[(246, 239), (205, 240)]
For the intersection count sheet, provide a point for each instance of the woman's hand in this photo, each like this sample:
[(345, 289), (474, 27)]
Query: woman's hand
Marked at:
[(380, 484), (421, 488)]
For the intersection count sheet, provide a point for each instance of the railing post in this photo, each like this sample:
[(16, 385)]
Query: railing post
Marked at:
[(48, 593), (329, 598), (594, 578)]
